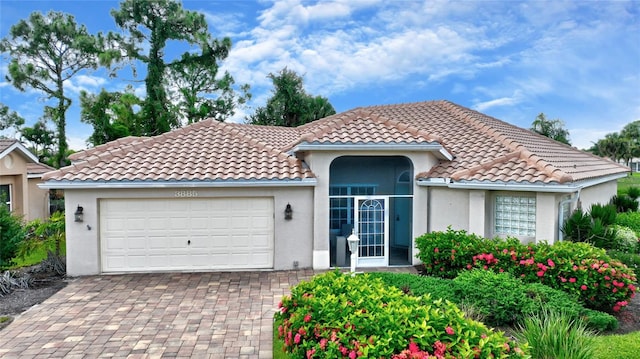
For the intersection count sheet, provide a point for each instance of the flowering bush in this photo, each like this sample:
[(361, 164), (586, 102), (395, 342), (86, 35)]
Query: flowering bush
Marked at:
[(339, 316), (579, 269)]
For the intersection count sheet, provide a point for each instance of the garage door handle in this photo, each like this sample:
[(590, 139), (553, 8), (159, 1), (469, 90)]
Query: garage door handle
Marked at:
[(189, 242)]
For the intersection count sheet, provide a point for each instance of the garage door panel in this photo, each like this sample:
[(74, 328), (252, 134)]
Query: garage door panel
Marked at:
[(154, 234)]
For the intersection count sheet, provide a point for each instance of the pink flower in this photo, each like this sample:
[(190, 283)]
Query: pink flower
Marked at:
[(606, 277), (413, 347), (323, 343), (436, 250), (297, 338), (449, 330), (572, 280), (550, 263), (310, 353), (540, 273), (307, 318), (616, 308), (583, 287), (353, 355), (344, 350)]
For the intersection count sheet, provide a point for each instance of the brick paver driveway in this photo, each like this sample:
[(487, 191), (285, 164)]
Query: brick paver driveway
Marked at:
[(189, 315)]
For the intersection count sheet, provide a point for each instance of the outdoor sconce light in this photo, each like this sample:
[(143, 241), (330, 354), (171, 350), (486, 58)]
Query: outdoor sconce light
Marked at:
[(288, 212), (79, 216), (353, 241)]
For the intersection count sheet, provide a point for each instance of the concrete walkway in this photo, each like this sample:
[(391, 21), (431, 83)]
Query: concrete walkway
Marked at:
[(184, 315)]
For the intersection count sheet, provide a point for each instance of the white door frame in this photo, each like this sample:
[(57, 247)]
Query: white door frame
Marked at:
[(366, 259)]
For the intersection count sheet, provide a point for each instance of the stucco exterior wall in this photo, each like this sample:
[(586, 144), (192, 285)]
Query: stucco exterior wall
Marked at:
[(601, 193), (38, 200), (293, 238), (13, 171), (320, 163), (450, 207)]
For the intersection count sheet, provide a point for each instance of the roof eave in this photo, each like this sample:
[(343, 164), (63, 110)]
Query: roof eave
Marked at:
[(53, 184), (436, 148), (519, 186), (25, 151)]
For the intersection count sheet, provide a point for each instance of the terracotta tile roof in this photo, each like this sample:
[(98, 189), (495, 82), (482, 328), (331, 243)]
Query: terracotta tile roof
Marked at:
[(38, 168), (205, 151), (362, 127), (484, 149), (487, 149)]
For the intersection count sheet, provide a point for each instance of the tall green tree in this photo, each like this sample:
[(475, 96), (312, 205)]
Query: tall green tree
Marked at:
[(553, 129), (40, 140), (9, 119), (198, 90), (290, 105), (620, 146), (113, 115), (150, 25), (46, 51)]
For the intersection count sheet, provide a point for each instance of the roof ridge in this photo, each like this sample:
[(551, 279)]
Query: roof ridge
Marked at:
[(467, 115), (236, 131)]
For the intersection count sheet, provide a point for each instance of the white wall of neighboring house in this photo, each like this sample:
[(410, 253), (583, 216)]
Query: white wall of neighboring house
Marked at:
[(601, 194)]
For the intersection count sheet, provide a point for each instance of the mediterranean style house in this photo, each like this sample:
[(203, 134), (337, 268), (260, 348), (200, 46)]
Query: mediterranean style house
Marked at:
[(223, 196)]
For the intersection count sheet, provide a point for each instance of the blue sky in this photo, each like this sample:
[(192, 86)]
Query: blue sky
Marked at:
[(578, 61)]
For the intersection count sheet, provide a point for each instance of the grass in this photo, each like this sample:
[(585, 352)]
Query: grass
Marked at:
[(632, 180), (624, 346), (278, 344)]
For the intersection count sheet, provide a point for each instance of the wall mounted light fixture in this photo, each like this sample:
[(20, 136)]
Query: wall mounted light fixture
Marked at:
[(288, 212), (79, 215)]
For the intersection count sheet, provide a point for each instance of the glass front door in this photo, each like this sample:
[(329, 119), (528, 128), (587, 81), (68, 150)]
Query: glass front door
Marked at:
[(372, 223)]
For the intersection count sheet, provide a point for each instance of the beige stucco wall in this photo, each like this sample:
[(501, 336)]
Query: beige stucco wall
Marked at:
[(38, 200), (601, 193), (13, 171), (293, 239), (320, 163), (450, 207)]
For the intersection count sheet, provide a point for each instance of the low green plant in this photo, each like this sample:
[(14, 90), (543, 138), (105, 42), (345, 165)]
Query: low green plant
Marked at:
[(499, 297), (624, 346), (580, 269), (48, 234), (11, 235), (336, 316), (605, 212), (634, 192), (552, 334), (626, 239), (624, 203), (592, 227), (630, 220), (538, 297), (631, 260)]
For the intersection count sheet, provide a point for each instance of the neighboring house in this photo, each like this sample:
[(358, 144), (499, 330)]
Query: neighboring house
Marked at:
[(20, 174), (215, 196)]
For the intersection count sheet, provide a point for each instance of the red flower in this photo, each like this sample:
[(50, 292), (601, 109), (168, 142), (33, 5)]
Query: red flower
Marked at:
[(572, 280), (307, 318), (436, 250), (449, 330), (310, 353), (583, 287), (297, 338), (550, 263), (540, 273), (352, 355)]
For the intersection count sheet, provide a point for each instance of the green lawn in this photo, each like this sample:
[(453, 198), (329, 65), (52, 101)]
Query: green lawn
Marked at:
[(629, 181), (624, 346)]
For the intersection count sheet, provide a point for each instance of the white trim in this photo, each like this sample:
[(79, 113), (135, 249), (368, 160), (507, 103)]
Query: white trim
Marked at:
[(522, 187), (309, 182), (443, 153), (25, 151), (321, 259)]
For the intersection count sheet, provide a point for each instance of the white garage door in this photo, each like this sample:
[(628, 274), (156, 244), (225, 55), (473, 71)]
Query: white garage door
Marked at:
[(139, 235)]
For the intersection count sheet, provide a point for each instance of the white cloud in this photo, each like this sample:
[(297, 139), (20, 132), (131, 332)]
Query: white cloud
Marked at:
[(503, 101)]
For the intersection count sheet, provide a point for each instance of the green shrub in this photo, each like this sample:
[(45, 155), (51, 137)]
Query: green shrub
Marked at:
[(633, 192), (631, 260), (579, 269), (577, 227), (556, 335), (336, 316), (626, 239), (605, 212), (549, 299), (624, 203), (499, 297), (630, 220), (538, 297), (417, 285), (46, 235), (11, 235)]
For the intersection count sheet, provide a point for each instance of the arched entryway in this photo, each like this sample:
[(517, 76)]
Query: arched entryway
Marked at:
[(374, 195)]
